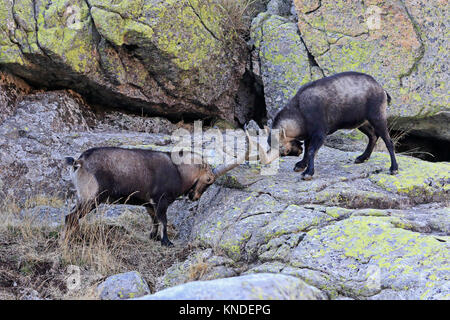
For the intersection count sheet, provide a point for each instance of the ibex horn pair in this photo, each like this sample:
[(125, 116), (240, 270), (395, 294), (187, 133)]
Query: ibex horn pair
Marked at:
[(271, 155), (224, 168)]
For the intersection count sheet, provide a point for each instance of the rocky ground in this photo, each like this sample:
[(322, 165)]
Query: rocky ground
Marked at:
[(353, 232)]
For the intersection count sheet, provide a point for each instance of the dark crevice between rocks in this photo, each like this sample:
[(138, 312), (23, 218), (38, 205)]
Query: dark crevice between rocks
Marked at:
[(201, 21), (422, 147), (312, 60), (36, 30), (315, 9), (250, 100), (422, 46), (17, 26)]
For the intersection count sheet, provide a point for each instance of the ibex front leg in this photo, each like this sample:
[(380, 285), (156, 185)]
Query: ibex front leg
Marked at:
[(72, 220), (161, 210)]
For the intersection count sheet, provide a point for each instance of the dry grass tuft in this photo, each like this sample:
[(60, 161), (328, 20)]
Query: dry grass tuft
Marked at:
[(33, 255), (398, 135), (198, 269), (235, 22), (238, 13)]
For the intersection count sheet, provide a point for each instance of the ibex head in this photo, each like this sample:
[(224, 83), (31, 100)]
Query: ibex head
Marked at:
[(287, 146), (203, 176)]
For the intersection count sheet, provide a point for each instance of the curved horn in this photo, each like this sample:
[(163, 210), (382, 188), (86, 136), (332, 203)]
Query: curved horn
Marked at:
[(268, 157), (224, 168)]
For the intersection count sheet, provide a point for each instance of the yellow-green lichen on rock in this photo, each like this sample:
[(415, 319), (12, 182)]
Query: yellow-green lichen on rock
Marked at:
[(166, 57), (125, 8), (64, 32), (417, 179), (377, 254), (401, 44), (284, 60), (173, 34), (9, 51)]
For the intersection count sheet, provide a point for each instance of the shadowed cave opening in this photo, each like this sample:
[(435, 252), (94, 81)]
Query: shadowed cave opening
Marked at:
[(425, 148)]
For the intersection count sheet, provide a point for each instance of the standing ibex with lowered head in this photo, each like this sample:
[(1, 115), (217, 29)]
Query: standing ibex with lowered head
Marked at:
[(343, 101), (138, 177)]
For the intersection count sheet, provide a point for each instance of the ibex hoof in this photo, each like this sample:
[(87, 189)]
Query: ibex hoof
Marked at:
[(359, 160), (299, 168), (306, 177), (167, 243), (394, 172), (156, 237)]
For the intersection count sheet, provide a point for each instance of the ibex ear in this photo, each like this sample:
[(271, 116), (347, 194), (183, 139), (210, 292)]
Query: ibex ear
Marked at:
[(204, 165), (266, 130), (283, 134)]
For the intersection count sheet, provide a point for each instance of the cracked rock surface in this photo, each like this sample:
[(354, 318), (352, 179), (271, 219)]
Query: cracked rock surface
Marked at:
[(353, 231)]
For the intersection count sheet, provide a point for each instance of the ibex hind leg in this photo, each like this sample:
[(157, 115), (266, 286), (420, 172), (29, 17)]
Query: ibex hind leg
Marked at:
[(161, 210), (380, 126), (72, 225), (154, 234), (369, 131)]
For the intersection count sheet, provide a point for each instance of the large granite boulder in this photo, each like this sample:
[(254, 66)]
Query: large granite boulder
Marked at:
[(264, 286), (172, 58), (401, 44)]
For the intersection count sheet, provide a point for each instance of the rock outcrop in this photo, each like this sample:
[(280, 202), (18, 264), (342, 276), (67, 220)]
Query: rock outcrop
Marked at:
[(263, 286), (354, 231), (400, 43), (171, 58)]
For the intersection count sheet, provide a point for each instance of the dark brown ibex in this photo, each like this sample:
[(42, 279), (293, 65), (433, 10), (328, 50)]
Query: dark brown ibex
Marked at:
[(343, 101), (138, 177)]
